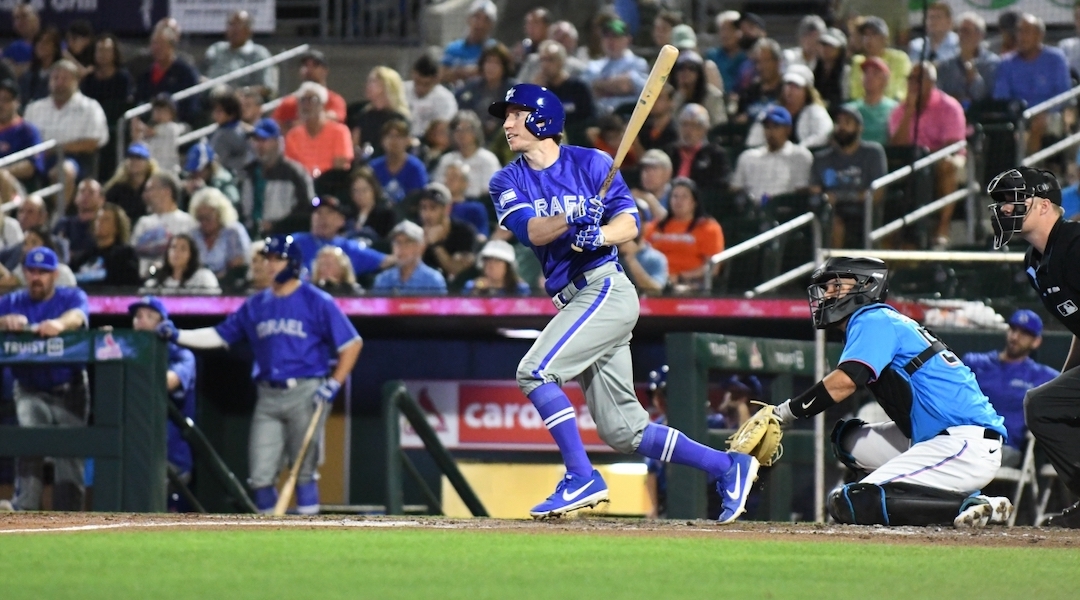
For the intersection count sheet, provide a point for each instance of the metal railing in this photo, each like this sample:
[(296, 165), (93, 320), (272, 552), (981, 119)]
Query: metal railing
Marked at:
[(1035, 111), (121, 125), (44, 192), (202, 132), (805, 219), (25, 153), (898, 175)]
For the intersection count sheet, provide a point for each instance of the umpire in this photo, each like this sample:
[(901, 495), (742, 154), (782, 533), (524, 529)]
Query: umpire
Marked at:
[(1027, 202), (53, 395)]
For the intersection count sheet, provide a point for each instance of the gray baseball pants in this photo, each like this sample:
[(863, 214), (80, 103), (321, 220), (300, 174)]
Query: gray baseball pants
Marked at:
[(281, 419), (63, 406), (589, 340)]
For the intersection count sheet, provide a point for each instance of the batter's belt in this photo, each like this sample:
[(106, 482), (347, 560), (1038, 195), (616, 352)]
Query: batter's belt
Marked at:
[(565, 295)]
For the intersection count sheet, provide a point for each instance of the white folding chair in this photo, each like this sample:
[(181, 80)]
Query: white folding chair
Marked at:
[(1025, 476), (1048, 473)]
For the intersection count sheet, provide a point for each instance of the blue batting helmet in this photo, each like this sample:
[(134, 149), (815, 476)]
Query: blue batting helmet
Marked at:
[(547, 116), (285, 247)]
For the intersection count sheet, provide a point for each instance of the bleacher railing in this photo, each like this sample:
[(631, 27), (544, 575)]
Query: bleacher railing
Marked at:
[(1055, 149), (870, 235), (807, 219), (121, 125), (44, 192), (202, 132)]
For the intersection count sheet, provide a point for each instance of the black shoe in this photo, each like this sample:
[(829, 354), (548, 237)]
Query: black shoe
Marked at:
[(1069, 518)]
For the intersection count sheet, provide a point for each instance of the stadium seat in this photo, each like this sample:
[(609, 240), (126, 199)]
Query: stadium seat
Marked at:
[(1025, 477)]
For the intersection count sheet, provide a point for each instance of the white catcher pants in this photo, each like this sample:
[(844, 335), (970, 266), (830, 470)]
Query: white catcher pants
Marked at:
[(963, 461)]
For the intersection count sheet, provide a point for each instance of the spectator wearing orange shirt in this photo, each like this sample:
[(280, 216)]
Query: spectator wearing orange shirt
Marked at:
[(317, 142), (313, 67), (687, 236)]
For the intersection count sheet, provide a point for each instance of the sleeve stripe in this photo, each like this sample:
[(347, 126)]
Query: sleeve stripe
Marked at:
[(355, 340), (502, 217), (865, 364)]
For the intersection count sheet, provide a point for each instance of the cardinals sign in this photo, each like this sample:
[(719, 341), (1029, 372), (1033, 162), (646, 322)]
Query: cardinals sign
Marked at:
[(490, 415)]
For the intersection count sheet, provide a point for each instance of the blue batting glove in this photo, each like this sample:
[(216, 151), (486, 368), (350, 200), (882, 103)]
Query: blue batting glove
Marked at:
[(589, 212), (590, 238), (327, 391), (167, 331)]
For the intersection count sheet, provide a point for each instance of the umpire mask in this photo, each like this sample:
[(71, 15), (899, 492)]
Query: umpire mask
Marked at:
[(1010, 192)]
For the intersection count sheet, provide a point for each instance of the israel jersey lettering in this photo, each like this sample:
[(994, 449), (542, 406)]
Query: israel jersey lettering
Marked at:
[(520, 193), (291, 336), (944, 391), (181, 362), (62, 300)]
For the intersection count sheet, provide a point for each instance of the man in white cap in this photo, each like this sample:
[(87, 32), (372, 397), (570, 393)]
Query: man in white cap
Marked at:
[(655, 183)]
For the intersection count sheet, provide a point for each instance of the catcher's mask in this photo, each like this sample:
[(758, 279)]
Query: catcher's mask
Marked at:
[(831, 303), (1010, 191)]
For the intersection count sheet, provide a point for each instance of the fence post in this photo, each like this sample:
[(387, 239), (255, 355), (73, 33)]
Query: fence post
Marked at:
[(391, 418)]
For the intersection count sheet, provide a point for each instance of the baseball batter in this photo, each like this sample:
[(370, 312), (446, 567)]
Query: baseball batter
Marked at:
[(46, 396), (294, 329), (943, 444), (548, 198)]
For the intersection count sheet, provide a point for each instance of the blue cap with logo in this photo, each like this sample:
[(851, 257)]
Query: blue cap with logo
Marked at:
[(198, 157), (266, 129), (151, 302), (41, 258), (1028, 321), (138, 150), (776, 115)]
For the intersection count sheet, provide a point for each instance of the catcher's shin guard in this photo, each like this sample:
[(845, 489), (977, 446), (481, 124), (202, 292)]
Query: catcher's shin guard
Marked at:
[(839, 431), (893, 504)]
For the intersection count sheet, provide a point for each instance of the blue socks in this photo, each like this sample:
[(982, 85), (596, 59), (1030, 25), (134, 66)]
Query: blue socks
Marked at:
[(265, 498), (558, 415), (670, 445)]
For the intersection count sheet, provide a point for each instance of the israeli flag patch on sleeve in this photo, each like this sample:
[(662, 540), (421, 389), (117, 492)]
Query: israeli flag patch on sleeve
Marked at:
[(506, 197)]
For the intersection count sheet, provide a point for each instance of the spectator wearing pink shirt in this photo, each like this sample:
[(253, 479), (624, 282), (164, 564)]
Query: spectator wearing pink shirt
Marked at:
[(941, 122)]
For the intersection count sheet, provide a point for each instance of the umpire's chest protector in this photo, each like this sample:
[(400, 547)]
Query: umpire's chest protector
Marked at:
[(1047, 273)]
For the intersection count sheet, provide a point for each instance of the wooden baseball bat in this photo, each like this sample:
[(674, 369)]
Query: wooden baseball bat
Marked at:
[(653, 86), (290, 484)]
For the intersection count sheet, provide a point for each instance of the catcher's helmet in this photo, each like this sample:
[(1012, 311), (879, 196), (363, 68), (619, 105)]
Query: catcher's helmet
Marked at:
[(283, 246), (1013, 188), (830, 306), (546, 118)]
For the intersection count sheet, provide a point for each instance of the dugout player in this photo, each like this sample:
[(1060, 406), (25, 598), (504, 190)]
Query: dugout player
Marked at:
[(927, 465), (47, 395), (146, 315), (295, 330), (548, 198), (1028, 202)]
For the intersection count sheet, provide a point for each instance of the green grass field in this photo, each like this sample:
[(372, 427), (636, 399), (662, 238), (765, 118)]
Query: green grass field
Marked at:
[(445, 564)]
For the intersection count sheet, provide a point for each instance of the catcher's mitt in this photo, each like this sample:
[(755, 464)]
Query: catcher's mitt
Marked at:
[(759, 436)]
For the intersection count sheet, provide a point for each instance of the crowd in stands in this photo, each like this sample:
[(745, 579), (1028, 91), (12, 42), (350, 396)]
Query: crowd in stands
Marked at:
[(388, 193)]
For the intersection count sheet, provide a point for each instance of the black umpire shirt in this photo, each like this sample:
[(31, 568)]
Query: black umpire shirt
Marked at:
[(1054, 274)]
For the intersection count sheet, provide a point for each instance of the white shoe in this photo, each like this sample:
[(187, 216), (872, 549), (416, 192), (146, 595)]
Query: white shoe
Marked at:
[(975, 516), (1002, 509), (6, 506)]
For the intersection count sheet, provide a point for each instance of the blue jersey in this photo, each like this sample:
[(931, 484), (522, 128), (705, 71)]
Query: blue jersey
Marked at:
[(521, 193), (944, 392), (62, 300), (412, 176), (1005, 383), (364, 260), (291, 336), (181, 362), (20, 135)]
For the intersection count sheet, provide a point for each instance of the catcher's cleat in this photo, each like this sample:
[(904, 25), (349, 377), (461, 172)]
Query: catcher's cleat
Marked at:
[(573, 492), (980, 511), (734, 486)]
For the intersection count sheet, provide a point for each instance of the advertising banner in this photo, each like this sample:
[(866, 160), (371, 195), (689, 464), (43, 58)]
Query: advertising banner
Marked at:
[(209, 16), (491, 415), (122, 17)]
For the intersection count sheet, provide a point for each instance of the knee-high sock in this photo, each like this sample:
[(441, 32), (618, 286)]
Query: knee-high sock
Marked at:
[(558, 415), (671, 445)]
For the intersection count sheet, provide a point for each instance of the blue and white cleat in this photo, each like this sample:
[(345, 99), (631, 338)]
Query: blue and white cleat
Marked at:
[(734, 486), (572, 493)]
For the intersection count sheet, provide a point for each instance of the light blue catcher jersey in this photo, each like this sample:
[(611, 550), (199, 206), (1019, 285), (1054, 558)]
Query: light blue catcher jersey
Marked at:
[(944, 391), (521, 193), (291, 336)]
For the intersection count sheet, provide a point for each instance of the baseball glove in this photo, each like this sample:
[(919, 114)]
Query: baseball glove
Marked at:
[(759, 436)]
